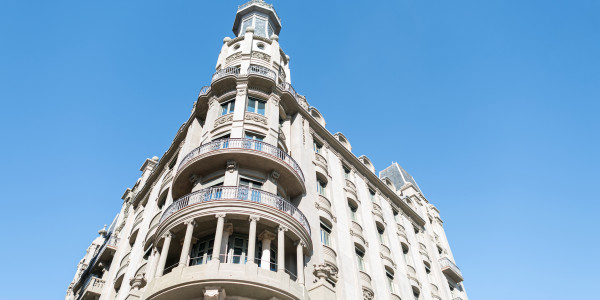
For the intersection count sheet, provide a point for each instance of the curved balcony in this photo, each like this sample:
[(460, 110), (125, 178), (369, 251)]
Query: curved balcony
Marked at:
[(235, 279), (230, 71), (244, 196), (356, 232), (247, 153), (386, 255), (450, 269)]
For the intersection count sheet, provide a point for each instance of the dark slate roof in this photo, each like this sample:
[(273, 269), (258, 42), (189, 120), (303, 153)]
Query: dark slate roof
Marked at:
[(398, 176)]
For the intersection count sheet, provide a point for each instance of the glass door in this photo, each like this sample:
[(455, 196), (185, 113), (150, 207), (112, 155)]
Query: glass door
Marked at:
[(202, 251)]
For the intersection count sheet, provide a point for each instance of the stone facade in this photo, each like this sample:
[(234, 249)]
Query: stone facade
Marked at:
[(255, 199)]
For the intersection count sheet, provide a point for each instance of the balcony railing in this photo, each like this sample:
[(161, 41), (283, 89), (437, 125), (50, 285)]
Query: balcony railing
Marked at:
[(237, 193), (448, 265), (260, 70), (243, 144), (227, 71), (204, 90), (92, 284)]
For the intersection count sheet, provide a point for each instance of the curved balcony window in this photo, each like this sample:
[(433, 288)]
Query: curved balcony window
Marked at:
[(228, 107), (256, 106)]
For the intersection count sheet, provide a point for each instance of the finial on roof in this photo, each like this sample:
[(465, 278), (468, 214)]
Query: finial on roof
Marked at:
[(103, 231)]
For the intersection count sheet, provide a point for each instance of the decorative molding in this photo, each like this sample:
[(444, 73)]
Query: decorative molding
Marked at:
[(232, 166), (266, 235), (254, 218), (223, 119), (220, 215), (261, 56), (275, 176), (256, 118), (233, 57)]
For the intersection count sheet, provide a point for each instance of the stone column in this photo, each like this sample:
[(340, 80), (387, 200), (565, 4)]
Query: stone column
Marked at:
[(187, 243), (152, 264), (265, 259), (252, 238), (227, 231), (300, 262), (281, 248), (218, 236), (164, 253)]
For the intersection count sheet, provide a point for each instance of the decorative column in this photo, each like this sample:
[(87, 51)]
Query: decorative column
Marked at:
[(187, 242), (252, 238), (281, 248), (227, 231), (218, 236), (300, 262), (164, 253), (152, 264), (265, 259)]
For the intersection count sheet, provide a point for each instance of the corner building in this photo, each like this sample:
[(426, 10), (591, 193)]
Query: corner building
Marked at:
[(255, 199)]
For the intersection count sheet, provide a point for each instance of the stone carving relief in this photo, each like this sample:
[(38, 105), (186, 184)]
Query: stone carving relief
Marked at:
[(261, 56), (233, 57), (223, 119), (256, 118)]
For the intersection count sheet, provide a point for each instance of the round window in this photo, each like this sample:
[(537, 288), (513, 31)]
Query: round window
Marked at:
[(260, 46)]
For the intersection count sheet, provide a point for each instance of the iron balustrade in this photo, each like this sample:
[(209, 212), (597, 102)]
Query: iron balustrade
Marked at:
[(227, 71), (260, 70), (235, 259), (447, 263), (237, 193), (204, 90), (242, 143)]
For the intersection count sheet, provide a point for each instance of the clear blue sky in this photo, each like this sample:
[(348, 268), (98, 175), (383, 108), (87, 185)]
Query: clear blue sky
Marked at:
[(492, 107)]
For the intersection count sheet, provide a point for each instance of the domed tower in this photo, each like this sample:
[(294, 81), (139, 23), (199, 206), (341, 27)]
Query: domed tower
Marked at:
[(255, 199)]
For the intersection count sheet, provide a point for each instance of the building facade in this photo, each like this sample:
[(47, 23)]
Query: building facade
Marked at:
[(255, 199)]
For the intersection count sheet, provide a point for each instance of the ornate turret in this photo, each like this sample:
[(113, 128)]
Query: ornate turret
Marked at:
[(257, 14)]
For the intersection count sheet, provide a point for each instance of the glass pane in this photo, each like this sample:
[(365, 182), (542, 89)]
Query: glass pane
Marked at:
[(270, 31), (260, 28), (251, 105), (261, 108), (232, 106), (223, 108), (245, 25)]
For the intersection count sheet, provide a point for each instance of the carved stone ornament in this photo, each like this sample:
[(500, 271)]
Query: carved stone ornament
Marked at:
[(325, 272), (138, 281), (254, 218), (233, 57), (256, 118), (367, 294), (231, 166), (214, 293), (266, 235), (261, 56), (220, 215), (282, 228), (224, 119), (274, 176)]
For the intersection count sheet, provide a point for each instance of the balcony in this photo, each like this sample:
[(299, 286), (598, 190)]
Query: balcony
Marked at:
[(231, 71), (451, 270), (237, 278), (351, 187), (321, 164), (243, 195), (324, 206), (262, 71), (91, 288), (247, 153), (386, 255)]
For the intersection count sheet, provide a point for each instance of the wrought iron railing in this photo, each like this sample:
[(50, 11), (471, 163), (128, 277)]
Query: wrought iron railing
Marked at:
[(242, 143), (227, 71), (447, 263), (204, 90), (260, 70), (237, 193)]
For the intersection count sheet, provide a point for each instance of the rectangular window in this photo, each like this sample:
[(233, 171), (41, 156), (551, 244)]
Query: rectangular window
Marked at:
[(317, 147), (353, 210), (325, 235), (256, 106), (255, 143), (228, 107), (346, 172), (390, 280), (372, 195), (360, 259), (321, 188), (381, 235)]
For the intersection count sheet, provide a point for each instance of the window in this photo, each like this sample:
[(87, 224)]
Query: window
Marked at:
[(360, 259), (227, 107), (321, 187), (317, 147), (406, 255), (253, 193), (352, 208), (346, 172), (390, 280), (395, 212), (372, 195), (256, 106), (325, 234), (416, 294), (381, 235), (428, 271)]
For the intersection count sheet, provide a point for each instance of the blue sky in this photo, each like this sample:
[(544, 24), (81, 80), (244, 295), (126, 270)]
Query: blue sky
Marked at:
[(491, 106)]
